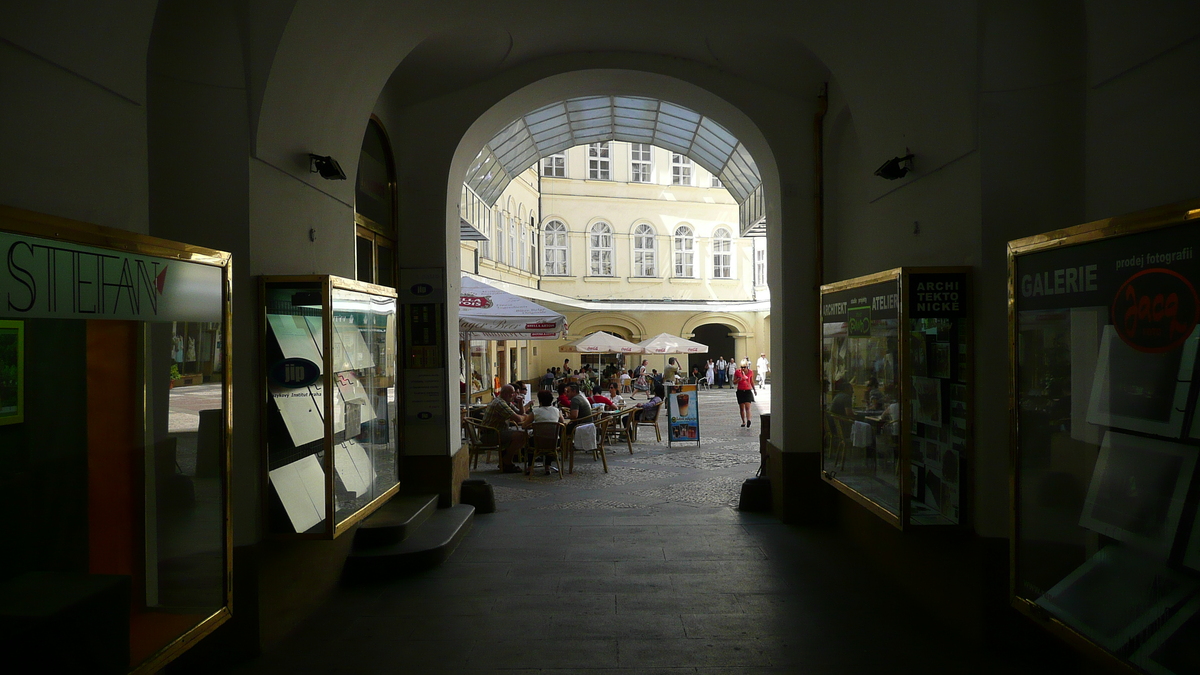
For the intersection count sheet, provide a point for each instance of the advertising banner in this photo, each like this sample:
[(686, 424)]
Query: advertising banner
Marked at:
[(683, 414)]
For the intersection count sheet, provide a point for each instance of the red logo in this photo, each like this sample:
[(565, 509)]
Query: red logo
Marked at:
[(1155, 310), (542, 335), (539, 326), (476, 301)]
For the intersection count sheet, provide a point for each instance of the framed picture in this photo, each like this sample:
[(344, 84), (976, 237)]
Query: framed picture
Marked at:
[(1115, 595), (12, 372), (1137, 490), (927, 400), (1141, 391), (918, 354), (1174, 648), (940, 363)]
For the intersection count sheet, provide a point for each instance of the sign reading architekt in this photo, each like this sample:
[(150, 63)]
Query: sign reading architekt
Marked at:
[(51, 279)]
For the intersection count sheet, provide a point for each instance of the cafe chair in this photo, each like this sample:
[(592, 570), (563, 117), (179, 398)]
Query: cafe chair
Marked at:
[(649, 418), (570, 444), (835, 429), (619, 426), (481, 440), (546, 442)]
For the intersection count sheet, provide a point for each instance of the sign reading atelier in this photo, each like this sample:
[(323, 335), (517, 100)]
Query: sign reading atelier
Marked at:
[(875, 302), (937, 295), (51, 279)]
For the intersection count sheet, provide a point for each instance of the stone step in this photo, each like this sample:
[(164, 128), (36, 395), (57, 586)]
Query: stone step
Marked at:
[(428, 546), (395, 521)]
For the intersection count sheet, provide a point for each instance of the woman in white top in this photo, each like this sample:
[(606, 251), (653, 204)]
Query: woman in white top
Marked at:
[(711, 373), (546, 411)]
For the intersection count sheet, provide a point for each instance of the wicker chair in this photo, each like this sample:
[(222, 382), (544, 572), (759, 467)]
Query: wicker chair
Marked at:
[(648, 418), (481, 440), (546, 441)]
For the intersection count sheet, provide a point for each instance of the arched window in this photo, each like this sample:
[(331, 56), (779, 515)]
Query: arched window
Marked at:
[(685, 252), (513, 254), (601, 250), (722, 244), (644, 258), (375, 208), (532, 244), (501, 232), (520, 225), (556, 249)]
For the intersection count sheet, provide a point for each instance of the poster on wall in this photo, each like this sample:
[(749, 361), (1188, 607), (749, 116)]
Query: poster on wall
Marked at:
[(12, 372), (683, 414)]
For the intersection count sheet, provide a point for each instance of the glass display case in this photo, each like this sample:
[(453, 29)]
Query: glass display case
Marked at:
[(113, 479), (331, 460), (1106, 538), (896, 392)]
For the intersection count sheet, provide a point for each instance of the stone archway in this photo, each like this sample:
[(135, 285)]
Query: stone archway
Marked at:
[(720, 341)]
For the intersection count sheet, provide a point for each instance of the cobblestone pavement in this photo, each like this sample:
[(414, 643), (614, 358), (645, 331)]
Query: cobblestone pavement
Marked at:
[(657, 474)]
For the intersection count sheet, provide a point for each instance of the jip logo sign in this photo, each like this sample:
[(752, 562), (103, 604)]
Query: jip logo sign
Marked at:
[(1155, 310)]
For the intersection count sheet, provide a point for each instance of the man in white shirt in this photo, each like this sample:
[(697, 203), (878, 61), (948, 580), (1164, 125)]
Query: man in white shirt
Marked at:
[(764, 367)]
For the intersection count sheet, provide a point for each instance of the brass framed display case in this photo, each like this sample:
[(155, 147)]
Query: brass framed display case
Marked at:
[(330, 460), (1105, 534), (896, 392), (115, 481)]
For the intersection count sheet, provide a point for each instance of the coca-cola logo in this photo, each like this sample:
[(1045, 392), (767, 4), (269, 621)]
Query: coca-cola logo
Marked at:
[(1155, 310), (475, 301)]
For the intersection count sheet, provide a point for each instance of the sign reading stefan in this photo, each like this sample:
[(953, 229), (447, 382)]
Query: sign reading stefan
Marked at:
[(51, 279)]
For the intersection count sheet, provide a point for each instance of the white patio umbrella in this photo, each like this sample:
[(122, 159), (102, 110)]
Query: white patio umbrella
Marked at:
[(488, 313), (601, 343), (665, 343)]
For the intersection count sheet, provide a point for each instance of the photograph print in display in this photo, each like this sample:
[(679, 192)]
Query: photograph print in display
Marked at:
[(1137, 490)]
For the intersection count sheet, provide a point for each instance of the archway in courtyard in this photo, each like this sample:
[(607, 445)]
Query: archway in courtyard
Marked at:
[(719, 339)]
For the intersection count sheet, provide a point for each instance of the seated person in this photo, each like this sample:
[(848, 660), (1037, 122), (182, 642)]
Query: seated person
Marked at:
[(564, 399), (648, 407), (499, 415), (626, 378), (545, 410), (580, 408), (843, 399), (873, 397), (614, 395), (598, 398)]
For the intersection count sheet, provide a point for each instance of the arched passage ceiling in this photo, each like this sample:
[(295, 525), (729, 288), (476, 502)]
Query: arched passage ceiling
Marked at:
[(577, 121)]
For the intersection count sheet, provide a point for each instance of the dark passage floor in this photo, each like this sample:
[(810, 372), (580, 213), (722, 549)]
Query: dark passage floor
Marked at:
[(647, 569)]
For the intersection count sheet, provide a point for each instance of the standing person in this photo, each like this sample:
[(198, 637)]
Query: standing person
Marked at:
[(710, 373), (743, 382), (722, 371), (671, 371), (764, 367), (730, 368), (498, 415)]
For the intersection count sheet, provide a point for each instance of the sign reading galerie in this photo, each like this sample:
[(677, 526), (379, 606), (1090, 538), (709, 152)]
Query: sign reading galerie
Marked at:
[(51, 279)]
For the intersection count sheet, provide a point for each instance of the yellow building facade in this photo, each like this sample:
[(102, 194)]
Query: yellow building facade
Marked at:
[(627, 238)]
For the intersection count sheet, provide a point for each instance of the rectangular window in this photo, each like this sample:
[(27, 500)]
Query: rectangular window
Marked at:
[(639, 163), (681, 169), (715, 181), (555, 166), (760, 267), (599, 161)]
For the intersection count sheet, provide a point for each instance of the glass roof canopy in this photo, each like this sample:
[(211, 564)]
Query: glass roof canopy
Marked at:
[(592, 119)]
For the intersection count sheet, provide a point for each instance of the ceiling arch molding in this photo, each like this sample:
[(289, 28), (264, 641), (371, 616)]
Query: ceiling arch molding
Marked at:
[(734, 321), (594, 321)]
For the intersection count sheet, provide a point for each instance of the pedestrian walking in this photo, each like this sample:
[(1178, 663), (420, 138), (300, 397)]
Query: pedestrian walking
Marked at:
[(763, 367), (710, 373), (743, 382), (722, 371)]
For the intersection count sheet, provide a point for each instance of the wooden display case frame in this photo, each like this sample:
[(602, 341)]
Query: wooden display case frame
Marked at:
[(902, 277), (1098, 230), (327, 284)]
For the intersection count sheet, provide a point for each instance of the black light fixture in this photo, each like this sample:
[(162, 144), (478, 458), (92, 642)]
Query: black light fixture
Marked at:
[(326, 166), (896, 167)]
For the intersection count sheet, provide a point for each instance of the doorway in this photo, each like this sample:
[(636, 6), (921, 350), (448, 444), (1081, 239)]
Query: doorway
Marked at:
[(720, 343)]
